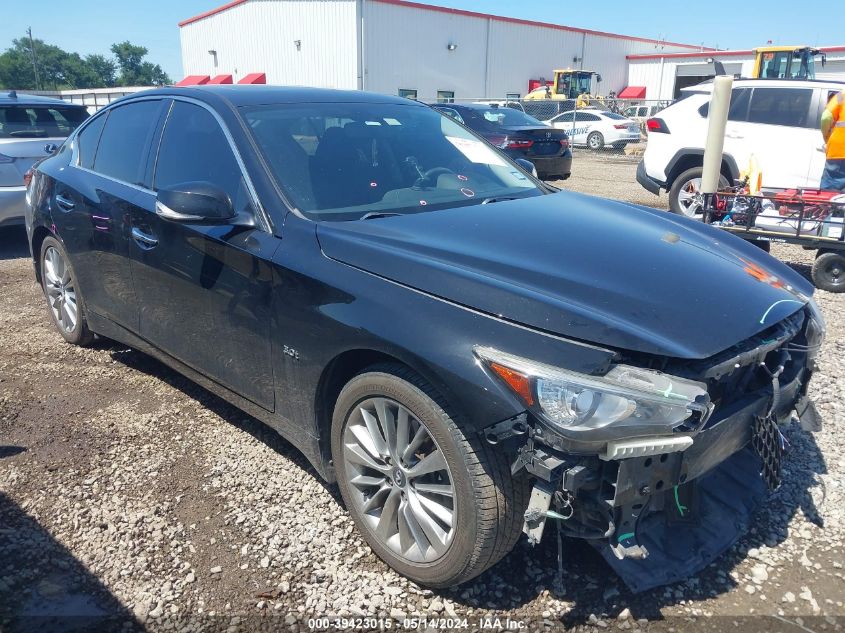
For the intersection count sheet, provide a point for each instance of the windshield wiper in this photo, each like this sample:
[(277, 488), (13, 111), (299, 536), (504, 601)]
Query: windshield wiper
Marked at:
[(498, 199), (377, 214)]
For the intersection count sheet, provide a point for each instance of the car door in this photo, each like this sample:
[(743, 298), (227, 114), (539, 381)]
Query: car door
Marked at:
[(93, 199), (779, 131), (204, 289)]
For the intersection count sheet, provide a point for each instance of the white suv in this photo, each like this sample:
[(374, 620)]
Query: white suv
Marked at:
[(775, 120)]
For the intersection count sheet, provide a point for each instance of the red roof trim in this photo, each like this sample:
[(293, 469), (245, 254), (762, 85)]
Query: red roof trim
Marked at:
[(229, 5), (474, 14), (717, 54)]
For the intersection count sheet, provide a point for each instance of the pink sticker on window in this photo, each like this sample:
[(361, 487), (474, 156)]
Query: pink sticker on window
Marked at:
[(469, 193), (373, 184), (423, 203), (462, 177)]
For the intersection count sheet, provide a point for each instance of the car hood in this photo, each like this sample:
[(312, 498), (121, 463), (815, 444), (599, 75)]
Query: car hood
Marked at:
[(582, 267)]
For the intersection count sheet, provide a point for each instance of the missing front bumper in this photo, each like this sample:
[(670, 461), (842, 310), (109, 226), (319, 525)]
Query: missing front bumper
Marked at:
[(667, 512)]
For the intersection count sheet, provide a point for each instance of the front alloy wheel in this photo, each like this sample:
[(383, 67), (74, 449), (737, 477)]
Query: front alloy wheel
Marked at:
[(400, 480), (437, 504)]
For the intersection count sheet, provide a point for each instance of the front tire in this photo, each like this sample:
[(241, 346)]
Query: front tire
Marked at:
[(64, 300), (685, 193), (828, 271), (438, 506)]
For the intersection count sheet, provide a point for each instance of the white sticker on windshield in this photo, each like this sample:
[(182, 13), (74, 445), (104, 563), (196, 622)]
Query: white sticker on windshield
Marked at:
[(392, 121), (476, 151)]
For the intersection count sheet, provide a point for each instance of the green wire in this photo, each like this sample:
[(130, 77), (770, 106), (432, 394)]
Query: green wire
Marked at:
[(678, 503)]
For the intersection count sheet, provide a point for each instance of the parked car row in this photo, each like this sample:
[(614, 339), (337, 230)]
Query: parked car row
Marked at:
[(465, 350)]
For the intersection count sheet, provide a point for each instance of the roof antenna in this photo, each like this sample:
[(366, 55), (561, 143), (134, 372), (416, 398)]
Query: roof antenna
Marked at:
[(13, 94)]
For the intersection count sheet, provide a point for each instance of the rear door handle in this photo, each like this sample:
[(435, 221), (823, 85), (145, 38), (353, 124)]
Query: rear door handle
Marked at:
[(65, 203), (144, 241)]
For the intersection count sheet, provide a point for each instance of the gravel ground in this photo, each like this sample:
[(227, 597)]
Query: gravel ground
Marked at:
[(127, 490)]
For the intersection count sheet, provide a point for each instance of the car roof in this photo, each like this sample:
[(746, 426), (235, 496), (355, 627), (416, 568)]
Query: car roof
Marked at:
[(247, 95), (475, 106), (707, 86), (11, 97)]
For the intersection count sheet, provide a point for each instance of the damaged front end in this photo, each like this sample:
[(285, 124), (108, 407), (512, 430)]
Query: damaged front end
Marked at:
[(661, 462)]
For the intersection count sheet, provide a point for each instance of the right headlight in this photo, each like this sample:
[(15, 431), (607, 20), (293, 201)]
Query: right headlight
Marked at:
[(816, 328), (624, 397)]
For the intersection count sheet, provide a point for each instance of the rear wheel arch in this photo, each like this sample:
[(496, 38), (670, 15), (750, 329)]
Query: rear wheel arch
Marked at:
[(38, 236), (689, 158)]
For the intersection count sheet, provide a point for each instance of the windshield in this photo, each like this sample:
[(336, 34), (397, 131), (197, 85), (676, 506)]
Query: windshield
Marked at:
[(35, 121), (508, 117), (341, 161)]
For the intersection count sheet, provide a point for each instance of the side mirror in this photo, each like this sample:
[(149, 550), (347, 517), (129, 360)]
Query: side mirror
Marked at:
[(527, 165), (194, 202)]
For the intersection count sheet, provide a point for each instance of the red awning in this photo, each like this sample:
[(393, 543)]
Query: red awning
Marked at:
[(632, 92), (194, 80), (220, 79), (254, 78)]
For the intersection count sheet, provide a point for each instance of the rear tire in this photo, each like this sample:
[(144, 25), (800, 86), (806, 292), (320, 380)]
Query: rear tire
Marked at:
[(829, 271), (684, 194), (763, 245), (595, 141), (479, 523), (64, 299)]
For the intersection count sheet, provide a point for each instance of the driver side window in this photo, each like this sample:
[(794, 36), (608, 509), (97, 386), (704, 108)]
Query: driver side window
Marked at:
[(194, 149)]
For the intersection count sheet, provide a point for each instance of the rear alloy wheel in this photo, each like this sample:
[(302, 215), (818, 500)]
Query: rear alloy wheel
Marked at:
[(685, 196), (829, 271), (62, 293), (437, 506), (595, 140)]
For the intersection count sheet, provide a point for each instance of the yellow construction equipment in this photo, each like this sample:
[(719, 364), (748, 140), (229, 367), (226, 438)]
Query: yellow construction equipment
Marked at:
[(568, 84), (786, 62)]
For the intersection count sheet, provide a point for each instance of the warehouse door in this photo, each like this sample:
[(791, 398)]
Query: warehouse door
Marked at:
[(687, 75)]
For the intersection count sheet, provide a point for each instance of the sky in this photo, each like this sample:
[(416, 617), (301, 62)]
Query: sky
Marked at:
[(92, 26)]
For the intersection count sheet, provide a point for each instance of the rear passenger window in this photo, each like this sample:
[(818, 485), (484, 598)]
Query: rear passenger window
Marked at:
[(781, 106), (739, 105), (88, 139), (195, 149), (122, 151)]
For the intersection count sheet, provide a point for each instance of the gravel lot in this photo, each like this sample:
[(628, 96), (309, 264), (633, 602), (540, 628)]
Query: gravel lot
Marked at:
[(127, 490)]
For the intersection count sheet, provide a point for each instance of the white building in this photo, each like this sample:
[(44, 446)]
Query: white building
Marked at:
[(399, 47), (664, 74)]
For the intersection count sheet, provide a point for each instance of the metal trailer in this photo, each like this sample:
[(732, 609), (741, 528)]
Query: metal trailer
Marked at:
[(811, 219)]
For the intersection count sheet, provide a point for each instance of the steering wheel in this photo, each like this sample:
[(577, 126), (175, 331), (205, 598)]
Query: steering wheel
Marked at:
[(425, 179)]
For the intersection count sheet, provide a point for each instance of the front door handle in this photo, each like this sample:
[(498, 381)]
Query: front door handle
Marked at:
[(144, 241), (64, 203)]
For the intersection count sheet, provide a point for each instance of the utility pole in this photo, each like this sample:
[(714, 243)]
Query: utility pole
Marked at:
[(32, 53)]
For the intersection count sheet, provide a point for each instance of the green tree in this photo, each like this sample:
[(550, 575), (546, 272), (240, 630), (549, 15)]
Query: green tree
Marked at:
[(134, 71), (58, 69), (103, 69)]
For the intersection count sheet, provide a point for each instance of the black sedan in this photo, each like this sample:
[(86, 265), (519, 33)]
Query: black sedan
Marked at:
[(464, 350), (517, 135)]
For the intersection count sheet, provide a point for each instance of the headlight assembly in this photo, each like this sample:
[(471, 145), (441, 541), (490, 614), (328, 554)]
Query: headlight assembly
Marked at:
[(625, 397)]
